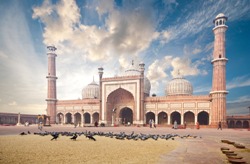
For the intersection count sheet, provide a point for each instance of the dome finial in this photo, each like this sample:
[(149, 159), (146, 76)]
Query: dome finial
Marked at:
[(132, 62), (178, 72), (93, 79)]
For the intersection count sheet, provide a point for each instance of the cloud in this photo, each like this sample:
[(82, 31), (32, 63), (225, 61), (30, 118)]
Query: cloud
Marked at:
[(241, 99), (195, 22), (241, 81), (184, 66), (13, 103), (124, 32)]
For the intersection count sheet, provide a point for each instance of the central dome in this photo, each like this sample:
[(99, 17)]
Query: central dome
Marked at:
[(179, 86), (133, 71)]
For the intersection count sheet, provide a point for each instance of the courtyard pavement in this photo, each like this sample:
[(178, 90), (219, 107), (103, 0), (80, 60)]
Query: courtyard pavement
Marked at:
[(203, 149)]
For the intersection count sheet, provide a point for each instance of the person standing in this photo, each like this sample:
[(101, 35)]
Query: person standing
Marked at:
[(150, 123), (175, 124), (219, 126), (197, 125)]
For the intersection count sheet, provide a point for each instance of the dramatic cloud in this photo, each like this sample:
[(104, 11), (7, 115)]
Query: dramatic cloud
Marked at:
[(197, 21)]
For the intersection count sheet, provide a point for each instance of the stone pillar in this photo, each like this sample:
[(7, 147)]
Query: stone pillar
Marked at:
[(83, 119), (91, 119), (51, 97), (169, 119), (64, 118), (156, 119), (218, 93), (73, 118), (18, 119), (195, 118), (182, 119)]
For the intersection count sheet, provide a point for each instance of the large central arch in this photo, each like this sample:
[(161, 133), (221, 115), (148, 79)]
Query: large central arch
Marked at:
[(120, 101), (126, 115)]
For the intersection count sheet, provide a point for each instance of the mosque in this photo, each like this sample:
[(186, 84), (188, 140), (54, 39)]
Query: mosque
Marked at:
[(126, 100)]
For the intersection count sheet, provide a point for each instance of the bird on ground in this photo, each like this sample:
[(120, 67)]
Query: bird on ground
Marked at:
[(74, 137), (55, 136), (91, 137), (28, 132), (23, 133)]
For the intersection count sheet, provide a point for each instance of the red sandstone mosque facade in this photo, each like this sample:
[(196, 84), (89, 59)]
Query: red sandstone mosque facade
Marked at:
[(126, 99)]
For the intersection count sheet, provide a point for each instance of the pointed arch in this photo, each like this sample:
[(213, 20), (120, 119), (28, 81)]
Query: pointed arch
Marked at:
[(116, 100), (162, 118), (189, 118), (149, 116), (175, 116)]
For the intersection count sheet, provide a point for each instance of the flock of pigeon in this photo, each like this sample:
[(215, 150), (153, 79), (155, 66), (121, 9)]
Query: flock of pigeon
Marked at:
[(120, 136)]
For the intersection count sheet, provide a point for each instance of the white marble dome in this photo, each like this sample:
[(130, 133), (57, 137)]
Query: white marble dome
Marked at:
[(133, 71), (220, 15), (91, 91), (179, 86)]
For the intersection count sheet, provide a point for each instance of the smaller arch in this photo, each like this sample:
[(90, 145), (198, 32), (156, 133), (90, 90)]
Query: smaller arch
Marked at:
[(189, 118), (126, 115), (77, 118), (68, 118), (60, 118), (150, 115), (175, 116), (203, 118), (86, 118), (245, 124), (162, 118), (231, 124), (238, 124), (95, 117)]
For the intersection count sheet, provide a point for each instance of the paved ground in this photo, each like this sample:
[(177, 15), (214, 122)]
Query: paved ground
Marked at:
[(205, 148)]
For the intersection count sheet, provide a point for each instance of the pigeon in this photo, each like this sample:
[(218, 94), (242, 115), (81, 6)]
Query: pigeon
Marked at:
[(74, 137), (91, 137), (55, 136), (23, 133)]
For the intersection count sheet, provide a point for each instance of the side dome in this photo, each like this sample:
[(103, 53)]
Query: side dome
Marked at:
[(91, 91), (179, 86)]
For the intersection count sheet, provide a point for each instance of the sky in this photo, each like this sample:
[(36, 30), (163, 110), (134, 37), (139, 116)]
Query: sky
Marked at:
[(167, 35)]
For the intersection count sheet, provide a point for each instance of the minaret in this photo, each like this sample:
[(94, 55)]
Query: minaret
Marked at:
[(218, 93), (51, 97), (142, 69), (101, 115)]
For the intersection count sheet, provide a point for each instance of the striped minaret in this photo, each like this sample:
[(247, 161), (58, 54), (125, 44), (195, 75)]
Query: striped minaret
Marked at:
[(51, 97), (218, 93)]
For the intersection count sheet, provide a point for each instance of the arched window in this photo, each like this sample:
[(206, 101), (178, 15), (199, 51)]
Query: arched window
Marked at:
[(217, 23), (219, 56), (220, 22)]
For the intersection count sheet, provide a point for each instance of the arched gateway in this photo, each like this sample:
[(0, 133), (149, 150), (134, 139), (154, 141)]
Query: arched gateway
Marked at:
[(120, 105)]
